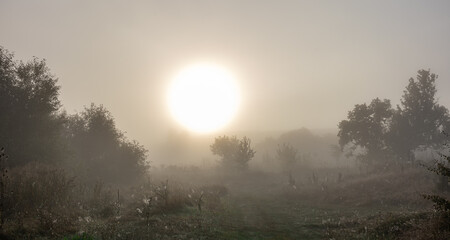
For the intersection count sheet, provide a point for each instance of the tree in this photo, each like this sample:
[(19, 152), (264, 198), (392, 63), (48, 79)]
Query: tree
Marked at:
[(287, 155), (366, 127), (381, 131), (420, 119), (235, 153), (30, 121), (101, 150)]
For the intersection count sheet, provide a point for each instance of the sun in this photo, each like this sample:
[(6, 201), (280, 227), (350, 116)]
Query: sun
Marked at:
[(203, 97)]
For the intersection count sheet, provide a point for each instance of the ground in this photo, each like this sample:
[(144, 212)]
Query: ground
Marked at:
[(337, 205)]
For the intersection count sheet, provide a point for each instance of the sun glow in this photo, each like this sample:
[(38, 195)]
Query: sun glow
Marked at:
[(203, 97)]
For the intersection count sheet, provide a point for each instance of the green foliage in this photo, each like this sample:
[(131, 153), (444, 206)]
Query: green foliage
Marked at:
[(420, 119), (235, 153), (380, 130), (30, 123), (366, 127), (33, 128), (96, 144)]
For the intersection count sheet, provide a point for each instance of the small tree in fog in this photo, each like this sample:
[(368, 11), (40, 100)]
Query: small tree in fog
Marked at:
[(235, 153), (287, 155)]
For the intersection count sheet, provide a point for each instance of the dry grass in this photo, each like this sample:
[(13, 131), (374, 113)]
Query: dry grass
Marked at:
[(49, 204)]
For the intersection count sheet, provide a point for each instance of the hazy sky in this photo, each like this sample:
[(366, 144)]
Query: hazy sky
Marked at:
[(299, 64)]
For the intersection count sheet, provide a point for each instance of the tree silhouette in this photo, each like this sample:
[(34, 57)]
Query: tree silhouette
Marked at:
[(100, 150), (235, 153), (30, 121), (420, 119), (366, 127), (287, 155), (382, 131)]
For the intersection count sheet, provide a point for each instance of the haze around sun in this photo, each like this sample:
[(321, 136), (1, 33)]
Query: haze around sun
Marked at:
[(203, 97)]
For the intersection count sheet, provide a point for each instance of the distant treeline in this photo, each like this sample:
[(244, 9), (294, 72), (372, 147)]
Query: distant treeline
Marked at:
[(35, 128)]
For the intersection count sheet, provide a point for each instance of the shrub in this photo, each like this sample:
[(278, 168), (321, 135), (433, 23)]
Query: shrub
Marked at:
[(442, 204), (43, 197)]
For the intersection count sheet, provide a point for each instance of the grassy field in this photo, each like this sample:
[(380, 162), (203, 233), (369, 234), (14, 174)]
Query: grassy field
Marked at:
[(253, 206), (256, 217), (370, 207)]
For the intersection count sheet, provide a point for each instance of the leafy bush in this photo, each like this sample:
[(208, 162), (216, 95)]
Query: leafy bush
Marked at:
[(96, 143), (235, 153)]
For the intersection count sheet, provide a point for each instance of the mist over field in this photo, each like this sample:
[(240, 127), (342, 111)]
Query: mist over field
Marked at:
[(224, 120)]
